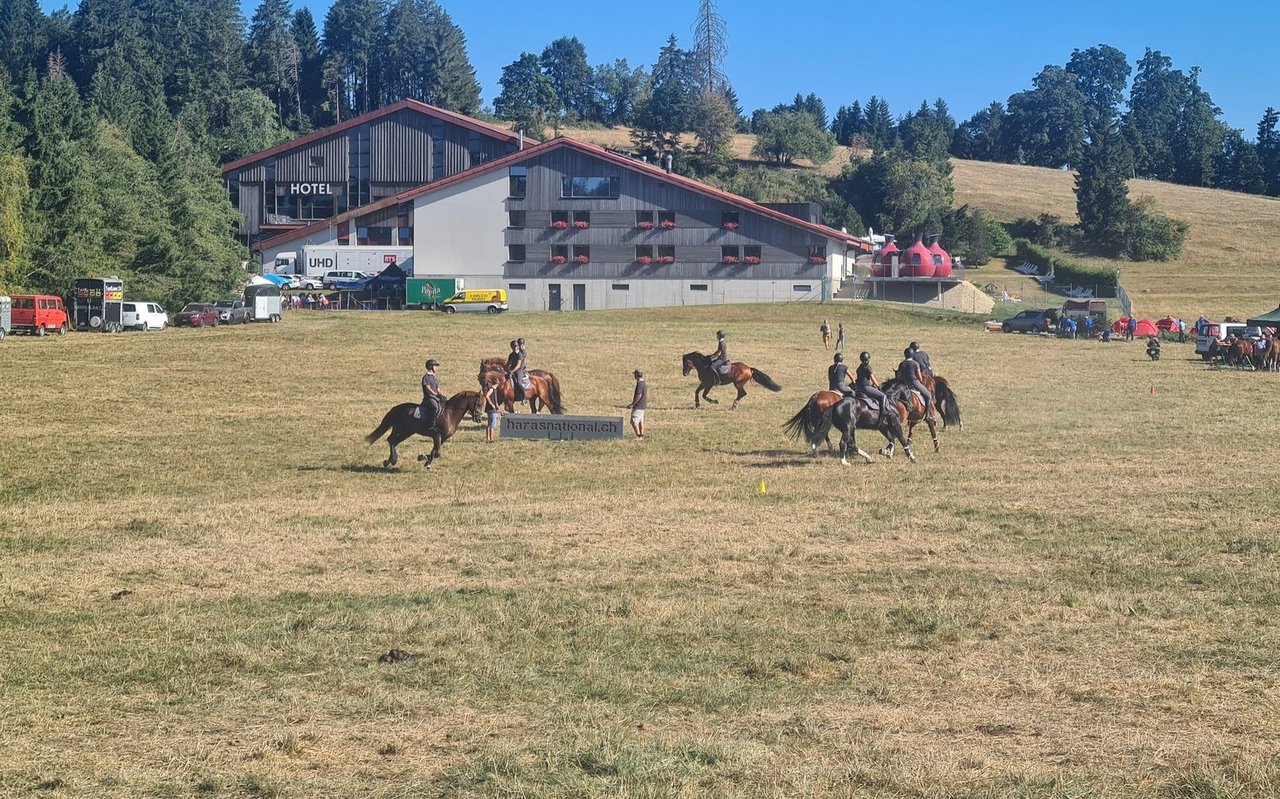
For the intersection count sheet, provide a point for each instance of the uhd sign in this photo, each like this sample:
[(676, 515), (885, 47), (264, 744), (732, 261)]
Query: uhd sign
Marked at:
[(309, 189), (561, 428)]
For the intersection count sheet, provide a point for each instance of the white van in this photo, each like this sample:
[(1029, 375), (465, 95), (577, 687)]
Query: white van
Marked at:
[(143, 316)]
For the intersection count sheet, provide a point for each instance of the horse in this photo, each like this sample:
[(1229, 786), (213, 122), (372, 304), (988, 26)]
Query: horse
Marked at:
[(402, 423), (1270, 355), (911, 410), (708, 378), (1241, 354), (545, 391), (944, 399), (818, 416)]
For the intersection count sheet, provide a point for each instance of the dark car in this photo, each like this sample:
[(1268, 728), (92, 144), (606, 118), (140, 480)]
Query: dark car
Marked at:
[(196, 314), (1031, 321), (231, 312)]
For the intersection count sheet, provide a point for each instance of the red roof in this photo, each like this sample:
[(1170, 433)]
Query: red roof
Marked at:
[(413, 105), (590, 149)]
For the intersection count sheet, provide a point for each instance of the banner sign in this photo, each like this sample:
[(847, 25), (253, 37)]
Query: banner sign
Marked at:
[(561, 428)]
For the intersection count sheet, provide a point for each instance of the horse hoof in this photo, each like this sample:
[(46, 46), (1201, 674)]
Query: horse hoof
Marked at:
[(386, 464), (844, 461)]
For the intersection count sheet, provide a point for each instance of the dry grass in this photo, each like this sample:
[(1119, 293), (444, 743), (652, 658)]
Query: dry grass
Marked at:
[(1063, 603)]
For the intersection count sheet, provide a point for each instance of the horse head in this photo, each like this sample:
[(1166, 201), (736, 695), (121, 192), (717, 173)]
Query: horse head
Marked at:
[(692, 361)]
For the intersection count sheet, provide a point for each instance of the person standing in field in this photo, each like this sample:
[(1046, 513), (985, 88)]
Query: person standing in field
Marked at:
[(639, 404), (826, 334), (491, 411), (840, 337)]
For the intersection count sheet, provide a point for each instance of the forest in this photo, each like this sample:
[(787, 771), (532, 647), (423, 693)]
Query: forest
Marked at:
[(114, 119)]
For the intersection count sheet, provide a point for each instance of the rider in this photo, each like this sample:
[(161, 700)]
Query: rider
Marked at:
[(720, 358), (432, 399), (1153, 347), (909, 372), (838, 376), (524, 354), (866, 385), (515, 369), (921, 357)]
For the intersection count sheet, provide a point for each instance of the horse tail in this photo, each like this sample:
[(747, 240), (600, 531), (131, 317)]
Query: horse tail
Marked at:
[(947, 402), (764, 380), (553, 394), (388, 422), (811, 422), (798, 425)]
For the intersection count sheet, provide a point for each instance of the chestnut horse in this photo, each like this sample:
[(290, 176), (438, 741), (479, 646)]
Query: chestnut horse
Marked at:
[(402, 423), (739, 374), (818, 416), (545, 391), (1270, 355), (911, 410), (1241, 354)]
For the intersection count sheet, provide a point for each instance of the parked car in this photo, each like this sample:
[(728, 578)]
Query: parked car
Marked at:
[(1031, 321), (336, 276), (143, 316), (196, 314), (232, 312), (307, 283)]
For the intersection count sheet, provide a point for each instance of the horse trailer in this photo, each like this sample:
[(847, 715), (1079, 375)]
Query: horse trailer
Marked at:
[(263, 302), (98, 304), (6, 316)]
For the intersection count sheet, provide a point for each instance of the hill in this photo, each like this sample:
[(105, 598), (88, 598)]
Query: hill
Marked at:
[(1226, 266)]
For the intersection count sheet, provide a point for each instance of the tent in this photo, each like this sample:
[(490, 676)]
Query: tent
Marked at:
[(1271, 319), (1168, 323), (279, 281), (387, 287), (1145, 327)]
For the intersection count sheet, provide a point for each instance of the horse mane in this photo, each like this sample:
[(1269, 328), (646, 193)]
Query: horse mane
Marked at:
[(462, 399), (696, 357)]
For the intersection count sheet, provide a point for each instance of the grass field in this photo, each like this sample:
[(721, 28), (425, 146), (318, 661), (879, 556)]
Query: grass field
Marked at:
[(202, 562)]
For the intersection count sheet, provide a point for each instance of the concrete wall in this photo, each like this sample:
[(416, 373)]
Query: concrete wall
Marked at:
[(459, 230)]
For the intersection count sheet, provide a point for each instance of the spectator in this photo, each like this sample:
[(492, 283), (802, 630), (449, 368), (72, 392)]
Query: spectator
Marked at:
[(324, 302), (826, 334), (639, 403), (840, 337), (1131, 328), (491, 411), (1182, 332)]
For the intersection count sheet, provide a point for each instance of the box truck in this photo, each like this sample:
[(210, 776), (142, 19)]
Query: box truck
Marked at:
[(316, 260)]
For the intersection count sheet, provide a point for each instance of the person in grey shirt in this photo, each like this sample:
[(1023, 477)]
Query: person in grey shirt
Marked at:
[(921, 357), (639, 404)]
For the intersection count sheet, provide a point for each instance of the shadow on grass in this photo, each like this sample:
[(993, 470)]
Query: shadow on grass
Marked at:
[(356, 468)]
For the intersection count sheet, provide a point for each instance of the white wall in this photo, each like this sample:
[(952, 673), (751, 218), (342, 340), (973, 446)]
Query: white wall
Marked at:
[(327, 237), (460, 230), (650, 293)]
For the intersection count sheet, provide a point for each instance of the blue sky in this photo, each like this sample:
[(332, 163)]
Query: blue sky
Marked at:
[(968, 53)]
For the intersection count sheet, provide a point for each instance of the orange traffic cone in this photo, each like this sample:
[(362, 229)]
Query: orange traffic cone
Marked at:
[(1153, 390)]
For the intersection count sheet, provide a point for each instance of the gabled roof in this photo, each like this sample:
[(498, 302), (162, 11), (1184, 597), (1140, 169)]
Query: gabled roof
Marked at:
[(413, 105), (649, 170)]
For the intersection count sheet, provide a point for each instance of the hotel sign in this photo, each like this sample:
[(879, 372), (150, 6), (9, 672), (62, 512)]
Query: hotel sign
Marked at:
[(561, 428), (309, 189)]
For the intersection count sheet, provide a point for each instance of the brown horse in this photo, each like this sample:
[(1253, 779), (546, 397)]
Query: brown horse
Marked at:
[(739, 374), (911, 410), (402, 423), (817, 417), (944, 399), (1270, 355), (1240, 354), (544, 394)]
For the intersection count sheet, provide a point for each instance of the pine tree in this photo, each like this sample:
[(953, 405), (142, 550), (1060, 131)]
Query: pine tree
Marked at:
[(1269, 150), (273, 57), (1102, 197), (673, 91), (711, 45), (23, 36), (352, 29), (405, 60), (1155, 101), (15, 190), (1238, 166), (451, 82), (1199, 135), (310, 69)]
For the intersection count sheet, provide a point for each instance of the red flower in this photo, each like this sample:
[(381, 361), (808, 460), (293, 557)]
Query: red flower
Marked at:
[(558, 259), (667, 259), (751, 259), (667, 224), (730, 259), (581, 224), (730, 226), (560, 224), (645, 225), (644, 260), (582, 259), (817, 259)]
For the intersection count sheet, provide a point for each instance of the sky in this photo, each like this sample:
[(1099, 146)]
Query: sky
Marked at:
[(969, 53)]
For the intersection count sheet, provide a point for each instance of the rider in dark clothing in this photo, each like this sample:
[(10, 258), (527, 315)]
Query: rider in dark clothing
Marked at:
[(865, 384), (432, 399), (720, 358), (909, 372), (921, 357), (515, 370), (838, 376)]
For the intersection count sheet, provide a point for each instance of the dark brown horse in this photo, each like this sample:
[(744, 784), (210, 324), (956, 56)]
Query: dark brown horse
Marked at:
[(816, 419), (402, 423), (911, 410), (739, 374), (944, 399), (544, 394)]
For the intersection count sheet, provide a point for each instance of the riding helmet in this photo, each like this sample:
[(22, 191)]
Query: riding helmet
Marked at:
[(839, 357), (914, 346), (520, 342), (865, 357), (906, 353), (513, 343), (719, 334), (432, 363), (638, 373)]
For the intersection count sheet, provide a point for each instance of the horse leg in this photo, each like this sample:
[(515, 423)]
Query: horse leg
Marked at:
[(742, 392), (435, 451), (393, 457), (933, 433)]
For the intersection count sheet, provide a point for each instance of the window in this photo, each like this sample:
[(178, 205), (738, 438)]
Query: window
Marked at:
[(581, 254), (518, 182), (729, 220), (582, 219), (751, 254), (666, 255), (666, 219), (697, 287), (378, 236), (515, 253), (589, 188), (474, 153), (515, 218), (621, 286), (437, 149), (644, 219), (643, 252), (362, 235), (802, 287), (730, 254), (817, 252), (560, 220), (561, 252), (317, 161), (405, 235), (344, 232), (517, 286)]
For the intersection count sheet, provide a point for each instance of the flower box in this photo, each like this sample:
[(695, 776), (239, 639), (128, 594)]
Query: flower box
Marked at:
[(730, 226), (558, 259), (560, 224), (667, 224), (817, 259), (751, 260), (729, 259), (581, 224), (644, 260), (582, 259), (644, 225), (667, 259)]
